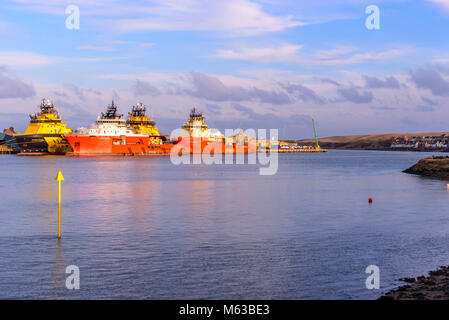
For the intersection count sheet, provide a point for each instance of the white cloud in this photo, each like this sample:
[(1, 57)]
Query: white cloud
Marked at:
[(31, 59), (146, 45), (96, 48), (286, 52), (342, 55), (116, 46), (23, 59), (351, 55), (237, 17)]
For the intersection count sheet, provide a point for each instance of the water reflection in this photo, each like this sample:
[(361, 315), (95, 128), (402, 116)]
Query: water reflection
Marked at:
[(57, 282), (154, 230), (44, 198)]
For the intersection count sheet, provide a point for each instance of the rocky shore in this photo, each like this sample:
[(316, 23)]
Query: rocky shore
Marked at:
[(436, 285), (433, 287), (432, 167)]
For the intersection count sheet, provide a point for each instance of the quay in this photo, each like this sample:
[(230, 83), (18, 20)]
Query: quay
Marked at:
[(293, 150), (300, 150)]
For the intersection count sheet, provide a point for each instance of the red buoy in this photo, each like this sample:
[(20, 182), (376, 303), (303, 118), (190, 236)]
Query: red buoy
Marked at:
[(370, 200)]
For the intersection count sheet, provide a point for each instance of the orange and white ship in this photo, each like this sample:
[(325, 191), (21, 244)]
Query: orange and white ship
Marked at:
[(196, 134), (111, 135), (197, 137)]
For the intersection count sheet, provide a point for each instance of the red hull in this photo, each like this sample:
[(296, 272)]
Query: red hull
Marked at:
[(200, 145), (110, 145)]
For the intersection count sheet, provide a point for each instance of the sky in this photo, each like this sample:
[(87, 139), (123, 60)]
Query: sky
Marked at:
[(244, 63)]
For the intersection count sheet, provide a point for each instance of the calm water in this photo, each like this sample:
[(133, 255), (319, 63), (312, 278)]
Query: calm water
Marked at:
[(142, 228)]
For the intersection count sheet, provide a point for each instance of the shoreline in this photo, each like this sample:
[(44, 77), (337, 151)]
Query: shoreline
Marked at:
[(393, 150), (435, 286), (437, 167)]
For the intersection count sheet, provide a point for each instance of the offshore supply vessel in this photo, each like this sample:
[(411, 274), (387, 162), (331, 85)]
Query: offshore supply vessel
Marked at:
[(196, 134), (113, 135), (197, 137), (45, 133), (141, 123)]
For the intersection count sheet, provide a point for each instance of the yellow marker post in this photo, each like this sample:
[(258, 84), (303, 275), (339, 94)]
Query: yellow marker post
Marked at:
[(59, 178)]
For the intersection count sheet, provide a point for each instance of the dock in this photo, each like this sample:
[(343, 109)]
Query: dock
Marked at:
[(300, 150), (293, 149)]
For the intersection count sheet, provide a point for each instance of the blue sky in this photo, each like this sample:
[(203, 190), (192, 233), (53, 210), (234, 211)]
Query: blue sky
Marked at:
[(259, 64)]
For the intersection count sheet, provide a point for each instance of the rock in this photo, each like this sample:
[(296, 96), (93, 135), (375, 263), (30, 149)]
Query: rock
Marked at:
[(432, 167), (403, 288), (433, 287), (418, 296), (437, 273)]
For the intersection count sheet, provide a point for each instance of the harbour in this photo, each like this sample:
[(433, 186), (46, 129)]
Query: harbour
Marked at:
[(113, 135), (140, 229), (217, 158)]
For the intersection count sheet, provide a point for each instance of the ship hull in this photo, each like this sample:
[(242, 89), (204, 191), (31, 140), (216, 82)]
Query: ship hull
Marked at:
[(114, 146), (41, 144), (194, 145)]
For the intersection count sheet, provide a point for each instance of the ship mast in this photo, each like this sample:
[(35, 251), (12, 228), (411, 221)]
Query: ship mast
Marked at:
[(47, 106), (139, 110), (111, 112)]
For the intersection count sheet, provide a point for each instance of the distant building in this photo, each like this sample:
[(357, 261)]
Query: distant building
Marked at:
[(422, 143)]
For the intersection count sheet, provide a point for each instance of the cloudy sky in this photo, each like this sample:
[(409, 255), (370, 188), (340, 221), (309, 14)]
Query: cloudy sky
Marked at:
[(244, 63)]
